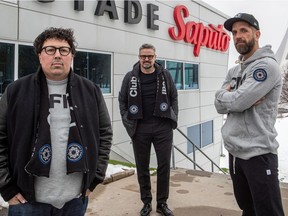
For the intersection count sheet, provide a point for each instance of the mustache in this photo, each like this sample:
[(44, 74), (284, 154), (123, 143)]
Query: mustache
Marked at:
[(240, 41)]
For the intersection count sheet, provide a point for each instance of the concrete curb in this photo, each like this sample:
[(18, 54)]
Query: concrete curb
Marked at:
[(118, 176)]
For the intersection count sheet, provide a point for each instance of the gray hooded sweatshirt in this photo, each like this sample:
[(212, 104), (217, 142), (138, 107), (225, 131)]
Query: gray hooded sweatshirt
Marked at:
[(249, 128)]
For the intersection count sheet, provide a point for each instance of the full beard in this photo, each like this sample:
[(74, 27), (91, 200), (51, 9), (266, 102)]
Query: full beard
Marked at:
[(147, 66), (246, 48)]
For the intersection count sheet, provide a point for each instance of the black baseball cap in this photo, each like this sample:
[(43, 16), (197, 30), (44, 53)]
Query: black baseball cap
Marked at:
[(250, 19)]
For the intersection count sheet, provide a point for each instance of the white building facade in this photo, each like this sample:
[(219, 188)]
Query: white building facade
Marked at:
[(282, 52), (189, 39)]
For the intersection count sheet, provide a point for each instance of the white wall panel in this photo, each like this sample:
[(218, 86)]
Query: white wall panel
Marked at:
[(8, 21), (211, 84), (213, 70), (116, 110), (208, 113), (119, 133), (188, 99), (207, 98), (189, 116)]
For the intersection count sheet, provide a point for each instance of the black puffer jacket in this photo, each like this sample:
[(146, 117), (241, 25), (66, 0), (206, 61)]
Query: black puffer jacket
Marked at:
[(19, 110), (131, 124)]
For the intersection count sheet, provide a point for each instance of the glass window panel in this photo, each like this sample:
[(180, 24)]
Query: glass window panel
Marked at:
[(28, 61), (176, 70), (96, 67), (191, 76), (80, 63), (6, 65), (207, 133), (161, 62), (194, 135)]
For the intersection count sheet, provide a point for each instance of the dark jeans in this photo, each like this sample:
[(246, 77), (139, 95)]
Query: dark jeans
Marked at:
[(161, 135), (75, 207), (256, 185)]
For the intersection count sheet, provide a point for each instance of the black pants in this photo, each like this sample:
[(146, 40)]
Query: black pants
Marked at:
[(256, 185), (161, 135)]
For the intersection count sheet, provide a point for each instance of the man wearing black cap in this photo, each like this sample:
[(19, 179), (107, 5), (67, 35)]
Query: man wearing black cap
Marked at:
[(249, 96)]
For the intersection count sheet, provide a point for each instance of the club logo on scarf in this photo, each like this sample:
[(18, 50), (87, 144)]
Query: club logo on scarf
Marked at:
[(163, 88), (260, 75), (133, 87), (74, 152), (45, 154), (163, 106), (133, 109)]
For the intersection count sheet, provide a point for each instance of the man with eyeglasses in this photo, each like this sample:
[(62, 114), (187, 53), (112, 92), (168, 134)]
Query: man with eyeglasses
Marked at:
[(148, 102), (55, 134)]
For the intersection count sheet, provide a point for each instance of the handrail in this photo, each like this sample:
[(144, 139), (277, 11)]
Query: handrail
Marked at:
[(188, 158), (195, 164)]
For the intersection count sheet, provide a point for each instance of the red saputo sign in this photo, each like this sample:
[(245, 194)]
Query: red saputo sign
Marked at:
[(197, 34)]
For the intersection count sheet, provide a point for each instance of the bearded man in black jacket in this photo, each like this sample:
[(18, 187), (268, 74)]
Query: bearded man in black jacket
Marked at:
[(148, 102)]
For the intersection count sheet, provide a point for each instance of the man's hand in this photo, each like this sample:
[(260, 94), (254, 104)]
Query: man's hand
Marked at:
[(88, 192), (228, 87), (259, 101), (17, 199)]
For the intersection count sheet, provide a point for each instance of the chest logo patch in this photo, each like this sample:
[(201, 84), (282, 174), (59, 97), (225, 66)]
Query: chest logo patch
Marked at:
[(45, 154), (74, 152), (260, 75), (163, 106)]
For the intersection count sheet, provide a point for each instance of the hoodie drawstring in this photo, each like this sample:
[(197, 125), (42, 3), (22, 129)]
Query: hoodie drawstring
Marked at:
[(234, 161)]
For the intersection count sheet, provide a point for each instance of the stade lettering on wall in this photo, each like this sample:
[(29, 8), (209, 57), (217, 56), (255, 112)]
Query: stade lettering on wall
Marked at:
[(191, 32), (129, 16)]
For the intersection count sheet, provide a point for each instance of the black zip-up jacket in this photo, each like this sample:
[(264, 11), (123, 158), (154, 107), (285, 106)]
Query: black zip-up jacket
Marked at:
[(19, 110), (131, 124)]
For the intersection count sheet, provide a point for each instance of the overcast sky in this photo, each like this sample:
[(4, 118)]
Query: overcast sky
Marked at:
[(272, 16)]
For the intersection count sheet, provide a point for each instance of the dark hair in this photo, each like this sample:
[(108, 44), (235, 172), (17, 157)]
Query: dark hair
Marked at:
[(147, 46), (55, 33)]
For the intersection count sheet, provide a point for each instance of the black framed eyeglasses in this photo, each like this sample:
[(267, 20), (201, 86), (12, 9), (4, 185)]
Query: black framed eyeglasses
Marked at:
[(143, 57), (51, 50)]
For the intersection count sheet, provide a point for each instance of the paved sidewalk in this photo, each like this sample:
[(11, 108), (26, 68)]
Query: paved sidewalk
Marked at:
[(192, 193)]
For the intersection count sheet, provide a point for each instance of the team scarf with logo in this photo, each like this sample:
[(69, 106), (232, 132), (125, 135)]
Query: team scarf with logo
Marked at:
[(162, 106), (40, 161)]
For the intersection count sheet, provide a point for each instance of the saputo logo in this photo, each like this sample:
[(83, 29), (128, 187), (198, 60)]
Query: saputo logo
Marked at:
[(197, 34)]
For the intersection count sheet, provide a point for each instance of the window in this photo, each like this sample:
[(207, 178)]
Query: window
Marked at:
[(6, 65), (95, 67), (161, 62), (207, 133), (194, 134), (28, 61), (191, 76), (176, 70), (201, 135), (185, 75)]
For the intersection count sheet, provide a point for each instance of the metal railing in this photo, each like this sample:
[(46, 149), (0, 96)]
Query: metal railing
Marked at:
[(194, 155)]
